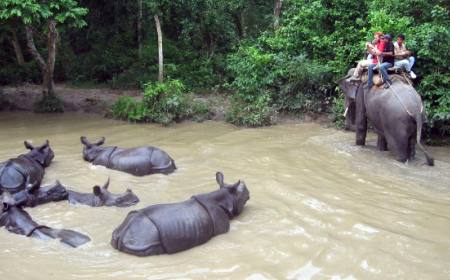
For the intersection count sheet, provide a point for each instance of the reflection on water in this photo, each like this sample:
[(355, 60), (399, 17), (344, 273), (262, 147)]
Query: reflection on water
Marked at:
[(320, 208)]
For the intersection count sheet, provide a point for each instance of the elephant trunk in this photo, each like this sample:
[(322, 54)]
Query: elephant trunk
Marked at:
[(419, 122)]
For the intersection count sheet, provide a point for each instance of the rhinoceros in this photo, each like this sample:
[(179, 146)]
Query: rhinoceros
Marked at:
[(171, 228), (16, 220), (102, 197), (26, 170), (139, 161)]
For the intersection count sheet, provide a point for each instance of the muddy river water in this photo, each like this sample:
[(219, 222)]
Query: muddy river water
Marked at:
[(320, 207)]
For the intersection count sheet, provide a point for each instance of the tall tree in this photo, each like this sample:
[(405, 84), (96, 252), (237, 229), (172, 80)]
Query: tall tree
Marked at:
[(36, 14), (160, 50), (276, 13), (17, 48)]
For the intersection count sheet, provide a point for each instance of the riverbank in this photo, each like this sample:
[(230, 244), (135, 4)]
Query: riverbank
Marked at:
[(100, 100)]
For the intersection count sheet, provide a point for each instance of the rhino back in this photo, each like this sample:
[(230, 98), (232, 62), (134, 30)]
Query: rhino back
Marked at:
[(15, 172), (137, 235), (181, 225)]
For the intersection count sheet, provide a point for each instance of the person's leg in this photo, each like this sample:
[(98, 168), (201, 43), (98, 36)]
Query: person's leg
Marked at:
[(370, 77), (402, 64), (411, 61), (383, 68), (359, 68)]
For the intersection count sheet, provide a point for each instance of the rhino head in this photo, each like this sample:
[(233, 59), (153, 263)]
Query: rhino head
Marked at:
[(42, 154), (238, 191), (104, 197), (91, 150)]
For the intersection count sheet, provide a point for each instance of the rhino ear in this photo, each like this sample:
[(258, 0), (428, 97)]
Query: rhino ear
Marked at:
[(45, 145), (97, 190), (100, 142), (84, 141), (219, 179), (106, 185), (28, 145)]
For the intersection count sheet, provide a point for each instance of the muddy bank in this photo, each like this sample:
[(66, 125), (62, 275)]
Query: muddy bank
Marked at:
[(100, 100), (96, 101)]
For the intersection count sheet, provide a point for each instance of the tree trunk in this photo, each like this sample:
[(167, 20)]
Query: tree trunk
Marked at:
[(48, 85), (47, 68), (139, 29), (17, 48), (160, 50), (276, 13)]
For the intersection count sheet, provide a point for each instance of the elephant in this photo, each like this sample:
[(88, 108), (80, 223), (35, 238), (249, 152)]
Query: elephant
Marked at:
[(396, 113), (17, 220), (139, 161), (102, 197), (171, 228), (18, 173)]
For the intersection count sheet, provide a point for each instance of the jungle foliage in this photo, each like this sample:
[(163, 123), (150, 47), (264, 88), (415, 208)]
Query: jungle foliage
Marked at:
[(271, 63)]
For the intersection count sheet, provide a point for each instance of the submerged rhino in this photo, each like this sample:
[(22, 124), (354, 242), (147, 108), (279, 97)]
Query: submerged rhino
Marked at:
[(102, 197), (170, 228), (137, 161), (16, 220), (31, 197), (27, 169)]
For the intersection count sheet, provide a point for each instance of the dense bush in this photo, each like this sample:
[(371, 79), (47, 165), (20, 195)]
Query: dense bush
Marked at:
[(163, 103)]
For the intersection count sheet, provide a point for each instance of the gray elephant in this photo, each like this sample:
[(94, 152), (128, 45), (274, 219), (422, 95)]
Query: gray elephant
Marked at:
[(171, 228), (26, 170), (102, 197), (139, 161), (396, 113), (17, 221)]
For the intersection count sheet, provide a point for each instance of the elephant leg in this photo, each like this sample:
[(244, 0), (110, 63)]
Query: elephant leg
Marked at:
[(399, 145), (381, 143), (412, 146), (361, 132)]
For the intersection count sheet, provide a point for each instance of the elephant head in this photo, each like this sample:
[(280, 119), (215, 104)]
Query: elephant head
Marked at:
[(239, 192), (91, 150), (43, 154), (350, 89)]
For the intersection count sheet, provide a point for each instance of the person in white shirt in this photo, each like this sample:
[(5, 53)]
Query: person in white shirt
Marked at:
[(403, 57)]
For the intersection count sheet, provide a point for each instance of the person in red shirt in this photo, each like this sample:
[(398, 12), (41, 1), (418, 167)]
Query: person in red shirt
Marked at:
[(384, 59)]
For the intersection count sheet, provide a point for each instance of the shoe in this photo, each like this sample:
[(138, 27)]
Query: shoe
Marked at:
[(354, 79), (387, 84), (412, 75)]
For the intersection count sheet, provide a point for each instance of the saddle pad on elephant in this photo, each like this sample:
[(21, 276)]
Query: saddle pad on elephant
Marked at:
[(181, 225)]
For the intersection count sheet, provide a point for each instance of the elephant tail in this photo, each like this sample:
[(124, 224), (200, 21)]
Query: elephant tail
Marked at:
[(419, 122)]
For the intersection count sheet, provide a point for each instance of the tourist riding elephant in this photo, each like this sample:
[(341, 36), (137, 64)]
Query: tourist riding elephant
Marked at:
[(170, 228), (16, 220), (396, 113), (137, 161), (102, 197), (15, 172)]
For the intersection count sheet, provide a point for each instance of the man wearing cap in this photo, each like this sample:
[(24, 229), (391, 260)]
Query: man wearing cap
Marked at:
[(403, 57), (385, 52)]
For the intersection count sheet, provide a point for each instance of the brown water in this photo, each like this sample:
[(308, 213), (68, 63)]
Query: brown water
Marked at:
[(320, 207)]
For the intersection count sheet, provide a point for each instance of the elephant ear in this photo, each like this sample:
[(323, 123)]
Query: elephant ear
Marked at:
[(349, 88), (28, 145), (219, 179)]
